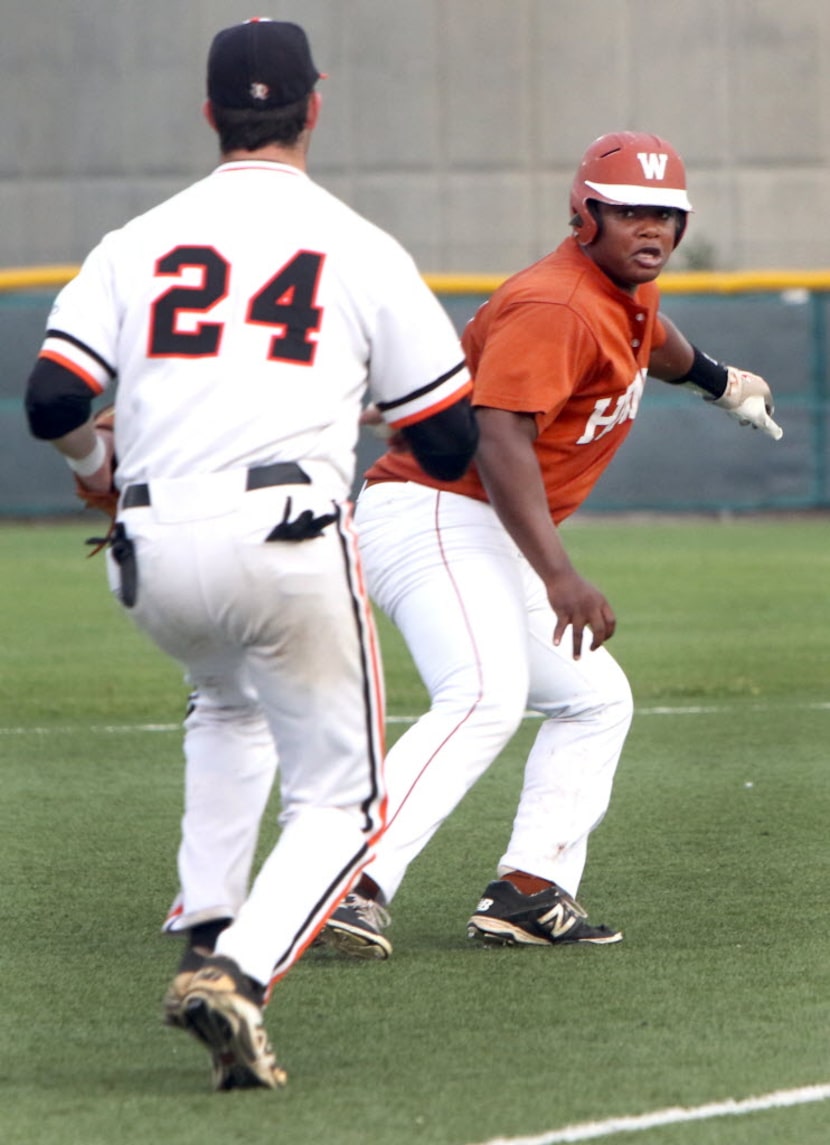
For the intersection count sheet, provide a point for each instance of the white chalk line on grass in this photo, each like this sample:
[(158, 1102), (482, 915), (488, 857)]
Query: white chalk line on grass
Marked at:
[(594, 1130), (690, 710)]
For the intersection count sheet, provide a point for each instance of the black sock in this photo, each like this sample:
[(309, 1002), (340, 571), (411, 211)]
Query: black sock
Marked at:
[(201, 940), (206, 933)]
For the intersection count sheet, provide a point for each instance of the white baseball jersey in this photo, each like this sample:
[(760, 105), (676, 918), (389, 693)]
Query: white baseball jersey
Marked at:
[(252, 307)]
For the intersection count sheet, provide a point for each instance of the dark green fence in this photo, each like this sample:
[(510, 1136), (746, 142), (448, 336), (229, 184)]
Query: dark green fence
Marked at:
[(681, 456)]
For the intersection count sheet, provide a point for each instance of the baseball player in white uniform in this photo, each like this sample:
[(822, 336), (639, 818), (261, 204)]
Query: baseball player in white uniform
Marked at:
[(244, 320)]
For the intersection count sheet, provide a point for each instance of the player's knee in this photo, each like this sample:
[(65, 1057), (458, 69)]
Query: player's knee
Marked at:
[(615, 703), (620, 701), (494, 715), (610, 703)]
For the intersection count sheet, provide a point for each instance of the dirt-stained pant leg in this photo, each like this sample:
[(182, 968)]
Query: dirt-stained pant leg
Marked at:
[(570, 770), (226, 734), (288, 623)]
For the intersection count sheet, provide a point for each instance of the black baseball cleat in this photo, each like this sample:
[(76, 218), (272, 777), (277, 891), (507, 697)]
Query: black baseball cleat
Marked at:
[(506, 917), (218, 1006), (355, 928)]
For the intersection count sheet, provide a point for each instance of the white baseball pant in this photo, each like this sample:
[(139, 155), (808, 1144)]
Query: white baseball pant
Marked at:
[(277, 640), (477, 622)]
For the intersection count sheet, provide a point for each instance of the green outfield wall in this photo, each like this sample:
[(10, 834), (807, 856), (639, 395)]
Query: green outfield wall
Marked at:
[(682, 456)]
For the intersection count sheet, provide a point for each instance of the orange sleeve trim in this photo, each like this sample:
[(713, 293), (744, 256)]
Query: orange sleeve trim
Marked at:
[(423, 414), (73, 368)]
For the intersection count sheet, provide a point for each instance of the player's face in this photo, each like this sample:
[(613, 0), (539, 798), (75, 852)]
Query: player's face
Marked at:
[(634, 243)]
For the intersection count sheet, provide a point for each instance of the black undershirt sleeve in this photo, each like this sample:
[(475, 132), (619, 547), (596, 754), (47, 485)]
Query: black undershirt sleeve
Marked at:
[(56, 400), (444, 444)]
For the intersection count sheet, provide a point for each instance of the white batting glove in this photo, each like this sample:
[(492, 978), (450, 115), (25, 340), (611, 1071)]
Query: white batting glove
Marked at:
[(748, 399)]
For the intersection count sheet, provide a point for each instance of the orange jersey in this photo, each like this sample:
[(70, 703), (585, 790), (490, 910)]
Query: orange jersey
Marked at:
[(559, 341)]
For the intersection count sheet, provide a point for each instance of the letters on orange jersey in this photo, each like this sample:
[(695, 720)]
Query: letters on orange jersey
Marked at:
[(606, 415)]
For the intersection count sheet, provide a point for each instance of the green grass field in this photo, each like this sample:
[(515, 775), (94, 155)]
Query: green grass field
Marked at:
[(714, 859)]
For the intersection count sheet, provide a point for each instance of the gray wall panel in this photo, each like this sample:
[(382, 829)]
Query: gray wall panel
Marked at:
[(487, 64), (782, 218), (102, 116), (776, 63), (394, 58), (582, 77), (498, 204), (416, 200)]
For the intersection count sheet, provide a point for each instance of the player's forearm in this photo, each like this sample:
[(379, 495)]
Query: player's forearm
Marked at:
[(674, 358), (528, 522), (679, 363), (78, 443), (510, 473), (88, 453)]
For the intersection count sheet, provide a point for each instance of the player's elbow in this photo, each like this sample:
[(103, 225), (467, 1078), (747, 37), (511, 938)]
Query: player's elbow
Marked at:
[(55, 402), (446, 466), (445, 443)]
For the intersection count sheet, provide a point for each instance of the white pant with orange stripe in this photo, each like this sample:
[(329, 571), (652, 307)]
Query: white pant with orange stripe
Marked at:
[(279, 646), (479, 627)]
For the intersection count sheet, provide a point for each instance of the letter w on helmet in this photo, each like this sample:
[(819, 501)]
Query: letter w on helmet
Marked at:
[(653, 163)]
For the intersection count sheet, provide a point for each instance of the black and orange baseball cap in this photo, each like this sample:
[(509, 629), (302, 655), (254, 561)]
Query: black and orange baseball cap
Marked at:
[(260, 63)]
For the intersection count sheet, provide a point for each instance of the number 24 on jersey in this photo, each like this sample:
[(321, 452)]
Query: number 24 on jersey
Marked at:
[(285, 301)]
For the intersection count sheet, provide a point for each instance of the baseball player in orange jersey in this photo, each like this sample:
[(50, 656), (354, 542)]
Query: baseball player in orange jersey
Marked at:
[(244, 319), (474, 574)]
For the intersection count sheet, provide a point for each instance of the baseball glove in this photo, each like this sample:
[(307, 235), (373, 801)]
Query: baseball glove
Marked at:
[(104, 422)]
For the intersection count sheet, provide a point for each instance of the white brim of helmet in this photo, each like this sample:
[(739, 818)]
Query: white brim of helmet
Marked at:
[(632, 195)]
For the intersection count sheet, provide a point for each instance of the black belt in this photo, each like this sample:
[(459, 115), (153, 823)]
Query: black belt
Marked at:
[(261, 477)]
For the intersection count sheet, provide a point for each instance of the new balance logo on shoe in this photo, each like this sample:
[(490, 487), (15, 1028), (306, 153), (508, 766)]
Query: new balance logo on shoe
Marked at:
[(559, 920), (551, 917)]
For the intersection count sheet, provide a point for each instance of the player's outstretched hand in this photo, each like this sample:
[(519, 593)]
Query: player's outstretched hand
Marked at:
[(578, 603), (748, 399)]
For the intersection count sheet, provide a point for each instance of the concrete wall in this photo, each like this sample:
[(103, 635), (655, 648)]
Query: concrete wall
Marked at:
[(455, 124)]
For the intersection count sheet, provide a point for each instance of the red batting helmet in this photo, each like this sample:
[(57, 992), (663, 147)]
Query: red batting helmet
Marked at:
[(632, 168)]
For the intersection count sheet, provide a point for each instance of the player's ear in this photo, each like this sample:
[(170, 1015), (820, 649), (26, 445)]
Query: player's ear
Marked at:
[(315, 102), (207, 112)]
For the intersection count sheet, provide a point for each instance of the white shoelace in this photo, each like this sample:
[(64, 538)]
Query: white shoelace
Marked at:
[(368, 910)]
